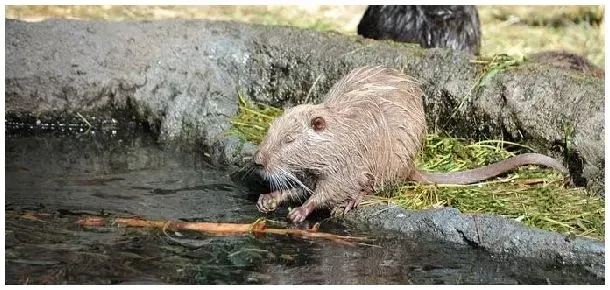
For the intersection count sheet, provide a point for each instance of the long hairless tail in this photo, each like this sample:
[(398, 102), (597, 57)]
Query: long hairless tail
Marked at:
[(489, 171)]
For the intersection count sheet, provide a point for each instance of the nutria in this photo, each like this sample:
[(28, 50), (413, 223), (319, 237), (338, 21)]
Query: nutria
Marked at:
[(363, 136), (569, 60), (451, 26)]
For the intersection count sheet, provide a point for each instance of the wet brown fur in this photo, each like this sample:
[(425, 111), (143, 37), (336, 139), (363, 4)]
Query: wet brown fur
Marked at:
[(365, 135), (568, 60)]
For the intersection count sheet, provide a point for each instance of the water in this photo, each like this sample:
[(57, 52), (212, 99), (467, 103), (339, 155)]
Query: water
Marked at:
[(64, 177)]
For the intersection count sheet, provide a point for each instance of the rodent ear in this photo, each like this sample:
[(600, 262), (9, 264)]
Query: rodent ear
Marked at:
[(318, 123)]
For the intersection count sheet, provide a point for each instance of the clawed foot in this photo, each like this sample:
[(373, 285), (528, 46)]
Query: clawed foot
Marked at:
[(268, 202), (349, 205), (366, 189), (298, 214), (353, 203)]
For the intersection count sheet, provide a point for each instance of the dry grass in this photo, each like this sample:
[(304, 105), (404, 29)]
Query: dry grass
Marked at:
[(513, 30), (339, 18), (505, 30)]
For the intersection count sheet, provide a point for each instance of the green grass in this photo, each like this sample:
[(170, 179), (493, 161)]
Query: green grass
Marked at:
[(488, 67), (252, 120), (532, 195), (535, 196)]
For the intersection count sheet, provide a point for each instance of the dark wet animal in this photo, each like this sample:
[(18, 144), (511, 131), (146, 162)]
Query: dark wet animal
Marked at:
[(451, 26), (569, 60), (365, 135)]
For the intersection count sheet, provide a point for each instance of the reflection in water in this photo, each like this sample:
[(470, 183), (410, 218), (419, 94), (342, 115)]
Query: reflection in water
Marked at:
[(68, 176)]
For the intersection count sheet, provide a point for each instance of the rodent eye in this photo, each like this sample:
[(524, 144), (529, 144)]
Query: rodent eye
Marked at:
[(288, 139), (318, 124)]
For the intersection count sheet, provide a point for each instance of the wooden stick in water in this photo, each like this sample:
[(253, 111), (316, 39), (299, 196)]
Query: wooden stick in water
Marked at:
[(257, 228)]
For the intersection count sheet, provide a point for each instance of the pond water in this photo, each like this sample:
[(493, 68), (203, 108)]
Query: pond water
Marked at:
[(64, 177)]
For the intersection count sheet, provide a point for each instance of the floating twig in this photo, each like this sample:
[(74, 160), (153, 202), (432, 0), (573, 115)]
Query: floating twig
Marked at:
[(256, 228)]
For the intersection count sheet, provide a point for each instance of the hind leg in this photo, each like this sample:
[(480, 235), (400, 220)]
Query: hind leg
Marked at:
[(366, 188)]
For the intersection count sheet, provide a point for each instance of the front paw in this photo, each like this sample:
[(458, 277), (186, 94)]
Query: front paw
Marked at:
[(298, 214), (267, 202)]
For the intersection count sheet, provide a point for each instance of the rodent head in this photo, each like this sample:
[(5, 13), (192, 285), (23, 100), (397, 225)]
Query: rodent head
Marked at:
[(291, 143)]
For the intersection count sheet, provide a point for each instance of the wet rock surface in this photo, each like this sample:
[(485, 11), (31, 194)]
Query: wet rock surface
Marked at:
[(181, 80), (500, 236)]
